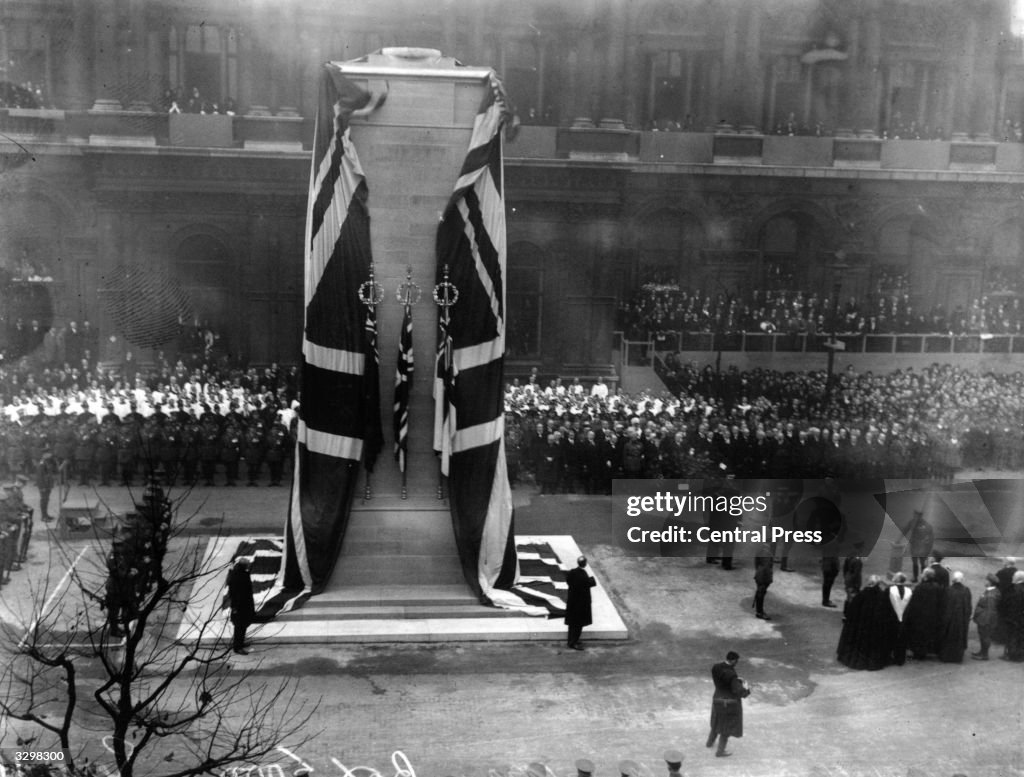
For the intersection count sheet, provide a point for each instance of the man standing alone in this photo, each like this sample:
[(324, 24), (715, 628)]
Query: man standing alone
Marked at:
[(577, 605), (727, 704), (243, 607)]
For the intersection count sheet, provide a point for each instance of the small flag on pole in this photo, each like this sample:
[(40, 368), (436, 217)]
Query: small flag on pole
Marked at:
[(403, 387)]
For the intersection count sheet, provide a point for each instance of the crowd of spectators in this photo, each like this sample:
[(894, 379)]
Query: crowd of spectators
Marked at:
[(23, 95), (176, 423), (665, 307), (791, 126), (178, 101), (766, 423)]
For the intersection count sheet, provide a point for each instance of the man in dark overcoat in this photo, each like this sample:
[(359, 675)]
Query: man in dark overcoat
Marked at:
[(986, 616), (577, 605), (727, 704), (243, 607), (956, 621)]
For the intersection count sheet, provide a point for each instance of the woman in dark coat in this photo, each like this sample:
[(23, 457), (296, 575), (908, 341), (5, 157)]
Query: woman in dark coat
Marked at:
[(922, 621), (869, 630), (956, 621)]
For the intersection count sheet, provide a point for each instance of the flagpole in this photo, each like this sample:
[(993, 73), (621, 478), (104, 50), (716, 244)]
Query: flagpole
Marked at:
[(371, 294), (446, 294), (408, 294)]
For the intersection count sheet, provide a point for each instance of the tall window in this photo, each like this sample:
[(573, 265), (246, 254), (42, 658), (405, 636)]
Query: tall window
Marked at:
[(679, 89), (910, 107), (787, 94), (204, 56), (203, 268)]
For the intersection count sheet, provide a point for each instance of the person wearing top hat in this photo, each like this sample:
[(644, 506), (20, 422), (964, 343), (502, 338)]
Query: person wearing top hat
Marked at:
[(243, 608), (727, 704), (577, 606), (584, 767)]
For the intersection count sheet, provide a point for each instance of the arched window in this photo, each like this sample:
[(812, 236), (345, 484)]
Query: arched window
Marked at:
[(789, 244), (524, 299), (1003, 269)]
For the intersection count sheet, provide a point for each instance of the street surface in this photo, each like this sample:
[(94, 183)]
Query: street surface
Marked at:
[(492, 709)]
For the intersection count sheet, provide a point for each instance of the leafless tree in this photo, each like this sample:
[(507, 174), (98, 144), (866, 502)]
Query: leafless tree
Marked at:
[(98, 658)]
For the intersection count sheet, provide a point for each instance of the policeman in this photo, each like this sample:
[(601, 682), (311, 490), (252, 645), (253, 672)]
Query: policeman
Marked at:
[(277, 441), (127, 452), (254, 450), (106, 451), (46, 479), (170, 451), (191, 440), (85, 450), (231, 451), (209, 449)]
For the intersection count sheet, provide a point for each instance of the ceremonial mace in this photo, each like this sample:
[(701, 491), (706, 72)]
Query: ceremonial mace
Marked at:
[(371, 294), (445, 294), (408, 294)]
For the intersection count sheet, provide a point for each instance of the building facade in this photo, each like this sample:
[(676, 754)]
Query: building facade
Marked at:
[(725, 145)]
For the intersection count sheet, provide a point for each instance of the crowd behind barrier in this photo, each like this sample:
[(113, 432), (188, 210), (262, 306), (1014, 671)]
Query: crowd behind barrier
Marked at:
[(765, 423), (665, 307)]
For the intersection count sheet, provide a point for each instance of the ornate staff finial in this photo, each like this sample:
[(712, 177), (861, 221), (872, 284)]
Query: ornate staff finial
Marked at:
[(445, 293), (371, 293), (408, 292)]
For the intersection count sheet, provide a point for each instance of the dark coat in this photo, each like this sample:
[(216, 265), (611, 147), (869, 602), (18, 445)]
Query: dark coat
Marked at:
[(922, 538), (869, 630), (577, 604), (955, 624), (922, 621), (986, 610), (243, 607), (727, 704)]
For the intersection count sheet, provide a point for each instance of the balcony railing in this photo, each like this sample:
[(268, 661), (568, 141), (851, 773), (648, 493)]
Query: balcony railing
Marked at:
[(287, 131), (806, 343)]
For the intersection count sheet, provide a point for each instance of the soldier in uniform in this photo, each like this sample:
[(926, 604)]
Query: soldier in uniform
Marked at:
[(209, 449), (127, 452), (106, 451), (278, 441), (170, 451), (46, 479), (231, 451), (254, 450), (85, 450), (191, 440)]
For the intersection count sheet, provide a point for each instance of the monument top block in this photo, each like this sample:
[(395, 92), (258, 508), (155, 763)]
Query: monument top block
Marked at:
[(406, 62)]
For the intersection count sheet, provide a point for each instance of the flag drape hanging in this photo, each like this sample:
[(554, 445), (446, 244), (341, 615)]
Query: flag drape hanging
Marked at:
[(468, 390), (403, 387), (339, 421)]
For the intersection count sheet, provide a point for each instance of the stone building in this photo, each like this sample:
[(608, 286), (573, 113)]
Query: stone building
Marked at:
[(721, 143)]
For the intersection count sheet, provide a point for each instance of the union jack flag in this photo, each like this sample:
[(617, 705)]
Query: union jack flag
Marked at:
[(403, 387)]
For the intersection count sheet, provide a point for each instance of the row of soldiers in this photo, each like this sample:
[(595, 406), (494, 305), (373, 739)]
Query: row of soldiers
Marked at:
[(178, 445), (15, 529), (577, 453)]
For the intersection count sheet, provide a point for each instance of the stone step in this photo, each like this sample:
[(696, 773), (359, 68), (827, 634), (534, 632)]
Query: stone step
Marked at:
[(395, 543), (371, 595), (311, 612), (401, 569)]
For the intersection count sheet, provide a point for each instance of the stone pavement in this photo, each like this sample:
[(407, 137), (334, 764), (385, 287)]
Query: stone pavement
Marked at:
[(483, 709)]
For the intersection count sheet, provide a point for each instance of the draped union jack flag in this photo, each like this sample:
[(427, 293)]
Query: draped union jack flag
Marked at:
[(468, 390), (339, 423)]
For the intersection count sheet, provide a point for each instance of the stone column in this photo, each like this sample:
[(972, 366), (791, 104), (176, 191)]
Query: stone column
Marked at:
[(731, 91), (106, 86), (868, 74), (752, 78), (78, 61)]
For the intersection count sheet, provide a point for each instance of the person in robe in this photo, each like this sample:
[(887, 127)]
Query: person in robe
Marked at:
[(922, 620), (869, 630), (899, 597), (956, 621), (1014, 609), (986, 616)]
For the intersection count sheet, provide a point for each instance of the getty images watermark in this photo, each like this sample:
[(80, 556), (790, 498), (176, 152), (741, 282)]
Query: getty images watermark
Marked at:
[(797, 518)]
